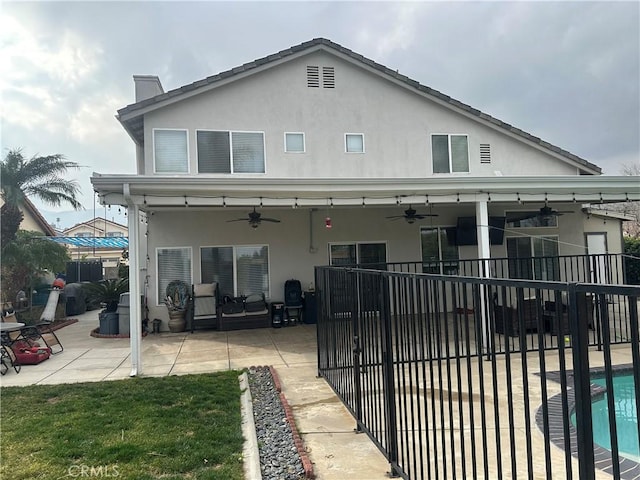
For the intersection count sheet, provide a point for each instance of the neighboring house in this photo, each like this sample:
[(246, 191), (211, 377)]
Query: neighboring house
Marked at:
[(332, 144), (97, 239), (33, 220)]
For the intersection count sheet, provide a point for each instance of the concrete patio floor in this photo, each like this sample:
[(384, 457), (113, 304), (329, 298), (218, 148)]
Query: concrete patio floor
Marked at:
[(324, 424)]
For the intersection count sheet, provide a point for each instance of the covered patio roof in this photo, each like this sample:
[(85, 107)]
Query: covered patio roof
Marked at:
[(202, 190)]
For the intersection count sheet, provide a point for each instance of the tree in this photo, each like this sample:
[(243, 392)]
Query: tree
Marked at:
[(40, 177), (632, 209), (26, 258)]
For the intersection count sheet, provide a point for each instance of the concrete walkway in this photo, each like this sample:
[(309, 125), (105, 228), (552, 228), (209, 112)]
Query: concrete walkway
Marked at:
[(325, 425)]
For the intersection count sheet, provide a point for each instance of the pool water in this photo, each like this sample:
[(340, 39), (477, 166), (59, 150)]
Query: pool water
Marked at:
[(626, 417)]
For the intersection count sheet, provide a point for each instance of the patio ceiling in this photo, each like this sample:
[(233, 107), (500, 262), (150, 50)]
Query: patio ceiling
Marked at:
[(187, 191)]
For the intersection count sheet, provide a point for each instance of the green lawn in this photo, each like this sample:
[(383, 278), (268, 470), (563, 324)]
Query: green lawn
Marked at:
[(178, 427)]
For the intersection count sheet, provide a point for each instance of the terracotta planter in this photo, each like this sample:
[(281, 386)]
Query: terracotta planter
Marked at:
[(177, 321)]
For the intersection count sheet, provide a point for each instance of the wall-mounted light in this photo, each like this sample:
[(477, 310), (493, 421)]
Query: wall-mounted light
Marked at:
[(327, 222)]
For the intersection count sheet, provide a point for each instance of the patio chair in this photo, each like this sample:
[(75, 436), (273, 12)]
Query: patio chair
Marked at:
[(204, 304), (43, 333), (8, 360), (507, 317), (40, 334)]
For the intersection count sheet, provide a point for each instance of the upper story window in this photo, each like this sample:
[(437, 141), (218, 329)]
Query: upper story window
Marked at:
[(83, 234), (115, 234), (450, 153), (230, 152), (294, 142), (170, 151), (354, 143)]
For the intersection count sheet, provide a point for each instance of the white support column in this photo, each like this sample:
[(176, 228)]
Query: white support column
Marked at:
[(135, 325), (484, 252)]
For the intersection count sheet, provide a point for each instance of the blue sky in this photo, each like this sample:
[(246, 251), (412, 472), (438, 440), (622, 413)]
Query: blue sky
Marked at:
[(568, 72)]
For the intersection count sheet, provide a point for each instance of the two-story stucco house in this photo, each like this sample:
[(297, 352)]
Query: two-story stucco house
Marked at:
[(340, 150)]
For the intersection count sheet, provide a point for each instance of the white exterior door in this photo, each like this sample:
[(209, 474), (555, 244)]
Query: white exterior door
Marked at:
[(597, 245)]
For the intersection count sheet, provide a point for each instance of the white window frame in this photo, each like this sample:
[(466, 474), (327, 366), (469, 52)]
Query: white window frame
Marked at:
[(450, 172), (443, 267), (550, 238), (346, 149), (153, 146), (507, 212), (235, 265), (357, 244), (230, 133), (304, 143), (160, 297)]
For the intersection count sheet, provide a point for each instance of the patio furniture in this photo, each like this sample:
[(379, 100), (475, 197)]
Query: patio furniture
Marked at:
[(42, 332), (245, 312), (34, 335), (205, 305), (507, 318), (558, 317), (8, 360)]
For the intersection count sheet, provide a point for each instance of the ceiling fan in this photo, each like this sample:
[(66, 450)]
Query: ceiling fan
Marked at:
[(410, 215), (545, 212), (255, 218)]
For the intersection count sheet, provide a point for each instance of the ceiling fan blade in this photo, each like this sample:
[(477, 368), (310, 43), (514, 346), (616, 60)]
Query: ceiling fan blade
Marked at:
[(274, 220), (395, 217), (237, 220), (424, 215)]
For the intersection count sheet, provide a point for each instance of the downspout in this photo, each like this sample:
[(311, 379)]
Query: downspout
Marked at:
[(135, 324)]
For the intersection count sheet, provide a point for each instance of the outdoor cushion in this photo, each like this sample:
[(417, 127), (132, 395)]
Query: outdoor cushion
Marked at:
[(235, 305), (255, 303), (205, 289)]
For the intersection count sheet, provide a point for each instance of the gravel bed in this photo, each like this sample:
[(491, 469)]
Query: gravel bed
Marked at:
[(279, 459)]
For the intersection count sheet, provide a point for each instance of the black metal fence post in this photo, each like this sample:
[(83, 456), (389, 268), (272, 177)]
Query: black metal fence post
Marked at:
[(389, 380), (353, 284), (582, 388)]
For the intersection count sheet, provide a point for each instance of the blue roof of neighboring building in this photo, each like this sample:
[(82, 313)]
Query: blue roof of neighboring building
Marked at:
[(94, 242)]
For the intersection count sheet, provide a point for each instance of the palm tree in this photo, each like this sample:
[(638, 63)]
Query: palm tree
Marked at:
[(41, 177)]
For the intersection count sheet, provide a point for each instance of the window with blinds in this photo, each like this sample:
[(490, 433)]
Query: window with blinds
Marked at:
[(248, 152), (170, 151), (173, 264), (450, 153), (239, 270), (230, 152)]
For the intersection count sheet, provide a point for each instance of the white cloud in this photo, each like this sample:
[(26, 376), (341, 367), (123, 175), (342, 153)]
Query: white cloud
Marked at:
[(41, 73), (93, 121)]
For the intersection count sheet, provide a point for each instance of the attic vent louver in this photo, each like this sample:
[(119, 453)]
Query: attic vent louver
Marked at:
[(485, 153), (328, 77), (313, 76)]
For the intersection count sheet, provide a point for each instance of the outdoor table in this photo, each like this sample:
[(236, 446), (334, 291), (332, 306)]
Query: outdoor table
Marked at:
[(8, 327)]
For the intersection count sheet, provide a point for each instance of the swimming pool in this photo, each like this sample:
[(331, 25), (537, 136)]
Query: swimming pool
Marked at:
[(626, 417)]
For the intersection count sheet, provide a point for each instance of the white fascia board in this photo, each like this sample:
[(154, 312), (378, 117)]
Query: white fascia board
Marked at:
[(313, 192)]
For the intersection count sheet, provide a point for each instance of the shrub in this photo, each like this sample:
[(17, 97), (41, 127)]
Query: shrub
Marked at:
[(632, 265)]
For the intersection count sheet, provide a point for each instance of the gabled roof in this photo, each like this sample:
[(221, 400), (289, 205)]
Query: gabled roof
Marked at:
[(131, 116), (39, 219), (99, 223)]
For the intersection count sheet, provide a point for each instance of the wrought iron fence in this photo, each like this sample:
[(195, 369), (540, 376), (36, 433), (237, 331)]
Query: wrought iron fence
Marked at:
[(461, 377)]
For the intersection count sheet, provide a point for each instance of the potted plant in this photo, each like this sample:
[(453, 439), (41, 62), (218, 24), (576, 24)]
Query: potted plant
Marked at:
[(177, 301), (107, 293)]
